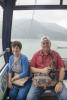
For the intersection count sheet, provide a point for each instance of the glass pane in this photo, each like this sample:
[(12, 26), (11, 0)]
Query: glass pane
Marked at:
[(25, 2), (2, 62), (1, 16), (29, 26), (37, 2), (48, 2), (64, 2)]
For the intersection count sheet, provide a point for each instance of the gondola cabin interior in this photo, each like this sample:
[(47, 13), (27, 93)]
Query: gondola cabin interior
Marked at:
[(27, 21)]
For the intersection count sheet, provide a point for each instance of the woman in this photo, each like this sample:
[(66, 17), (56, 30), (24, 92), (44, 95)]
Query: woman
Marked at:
[(18, 68)]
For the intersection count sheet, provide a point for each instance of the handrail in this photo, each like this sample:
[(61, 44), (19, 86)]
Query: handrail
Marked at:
[(6, 50)]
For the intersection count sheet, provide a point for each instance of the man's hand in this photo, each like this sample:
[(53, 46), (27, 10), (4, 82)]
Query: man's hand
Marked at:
[(46, 70), (58, 87)]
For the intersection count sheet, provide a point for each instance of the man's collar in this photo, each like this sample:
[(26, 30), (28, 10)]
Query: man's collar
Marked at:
[(43, 53)]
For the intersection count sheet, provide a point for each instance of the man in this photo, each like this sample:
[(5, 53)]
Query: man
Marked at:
[(41, 63)]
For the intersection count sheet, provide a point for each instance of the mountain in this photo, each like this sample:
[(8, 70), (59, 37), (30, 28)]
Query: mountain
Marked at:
[(34, 29)]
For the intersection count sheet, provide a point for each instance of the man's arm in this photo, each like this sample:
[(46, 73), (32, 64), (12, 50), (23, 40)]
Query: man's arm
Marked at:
[(36, 70), (59, 86), (45, 70), (61, 74)]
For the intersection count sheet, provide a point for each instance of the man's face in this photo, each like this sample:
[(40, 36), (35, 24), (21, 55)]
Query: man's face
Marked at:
[(45, 44)]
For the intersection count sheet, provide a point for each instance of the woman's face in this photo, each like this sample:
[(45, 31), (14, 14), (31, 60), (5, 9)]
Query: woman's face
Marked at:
[(16, 50)]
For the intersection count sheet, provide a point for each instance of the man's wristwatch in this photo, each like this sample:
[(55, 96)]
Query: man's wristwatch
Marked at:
[(61, 81)]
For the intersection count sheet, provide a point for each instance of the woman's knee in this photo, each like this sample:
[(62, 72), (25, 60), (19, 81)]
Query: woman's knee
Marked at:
[(20, 98), (12, 95), (13, 92)]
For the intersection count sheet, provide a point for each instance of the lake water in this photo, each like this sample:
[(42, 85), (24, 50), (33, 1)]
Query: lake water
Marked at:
[(30, 46)]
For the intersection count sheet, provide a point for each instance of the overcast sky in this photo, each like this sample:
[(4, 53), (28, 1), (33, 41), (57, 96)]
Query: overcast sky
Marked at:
[(50, 16), (55, 16)]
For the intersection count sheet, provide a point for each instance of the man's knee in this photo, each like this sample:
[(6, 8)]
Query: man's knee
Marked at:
[(63, 96), (30, 97)]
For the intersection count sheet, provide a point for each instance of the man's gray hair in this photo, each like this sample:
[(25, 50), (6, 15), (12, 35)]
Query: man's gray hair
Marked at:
[(44, 38)]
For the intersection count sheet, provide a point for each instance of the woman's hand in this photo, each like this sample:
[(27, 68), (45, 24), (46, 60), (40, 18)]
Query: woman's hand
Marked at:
[(58, 87), (10, 84), (15, 77)]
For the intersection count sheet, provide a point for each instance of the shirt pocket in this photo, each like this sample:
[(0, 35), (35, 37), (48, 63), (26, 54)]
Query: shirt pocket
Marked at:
[(39, 60)]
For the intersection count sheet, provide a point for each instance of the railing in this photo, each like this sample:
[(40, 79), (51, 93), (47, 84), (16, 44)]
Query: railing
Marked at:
[(7, 50), (1, 57)]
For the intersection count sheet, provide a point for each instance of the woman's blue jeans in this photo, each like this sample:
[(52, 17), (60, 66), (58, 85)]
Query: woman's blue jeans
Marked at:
[(35, 93), (19, 93)]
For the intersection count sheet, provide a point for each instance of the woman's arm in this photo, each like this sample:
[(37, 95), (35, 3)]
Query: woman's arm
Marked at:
[(25, 68), (9, 76), (9, 80)]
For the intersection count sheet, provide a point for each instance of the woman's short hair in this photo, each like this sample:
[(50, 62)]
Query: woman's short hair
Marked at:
[(16, 43)]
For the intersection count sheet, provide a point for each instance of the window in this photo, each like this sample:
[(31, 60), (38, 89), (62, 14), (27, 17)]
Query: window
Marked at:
[(48, 2), (29, 26), (64, 2), (25, 2), (2, 62), (37, 2)]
